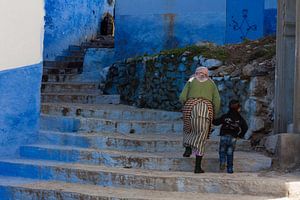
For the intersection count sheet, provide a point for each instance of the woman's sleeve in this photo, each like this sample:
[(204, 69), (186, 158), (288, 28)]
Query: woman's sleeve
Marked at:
[(183, 96), (216, 100)]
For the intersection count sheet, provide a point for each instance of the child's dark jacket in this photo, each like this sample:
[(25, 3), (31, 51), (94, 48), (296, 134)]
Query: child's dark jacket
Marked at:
[(232, 124)]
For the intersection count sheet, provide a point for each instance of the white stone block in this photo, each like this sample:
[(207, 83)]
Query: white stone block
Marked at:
[(256, 123), (271, 143)]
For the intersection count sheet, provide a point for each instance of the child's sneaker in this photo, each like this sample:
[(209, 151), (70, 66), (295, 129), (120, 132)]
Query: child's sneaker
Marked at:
[(222, 167), (229, 171)]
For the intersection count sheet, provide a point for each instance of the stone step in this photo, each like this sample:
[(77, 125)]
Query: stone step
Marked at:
[(108, 111), (62, 71), (130, 127), (101, 44), (20, 188), (84, 98), (63, 124), (70, 58), (103, 38), (164, 161), (8, 183), (70, 87), (62, 64), (60, 77), (75, 48), (115, 141), (74, 52), (54, 123), (238, 183)]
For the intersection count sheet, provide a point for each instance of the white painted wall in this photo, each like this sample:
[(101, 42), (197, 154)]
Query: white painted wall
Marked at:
[(21, 32)]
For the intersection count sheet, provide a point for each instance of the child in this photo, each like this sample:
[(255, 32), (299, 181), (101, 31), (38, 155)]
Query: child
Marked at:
[(233, 126)]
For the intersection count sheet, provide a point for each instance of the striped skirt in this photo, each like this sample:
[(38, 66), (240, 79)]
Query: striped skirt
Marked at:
[(197, 119)]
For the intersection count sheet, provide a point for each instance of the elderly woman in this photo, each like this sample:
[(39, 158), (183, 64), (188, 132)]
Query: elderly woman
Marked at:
[(201, 101)]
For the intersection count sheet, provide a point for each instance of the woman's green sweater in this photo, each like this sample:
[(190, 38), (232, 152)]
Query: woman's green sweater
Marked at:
[(207, 90)]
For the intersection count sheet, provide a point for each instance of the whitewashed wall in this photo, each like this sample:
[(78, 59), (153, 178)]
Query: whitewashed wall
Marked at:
[(21, 32)]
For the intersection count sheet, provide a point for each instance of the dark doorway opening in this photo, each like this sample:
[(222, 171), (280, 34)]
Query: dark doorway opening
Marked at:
[(107, 26)]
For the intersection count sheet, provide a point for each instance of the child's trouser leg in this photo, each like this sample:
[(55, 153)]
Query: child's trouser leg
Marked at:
[(222, 152), (230, 152)]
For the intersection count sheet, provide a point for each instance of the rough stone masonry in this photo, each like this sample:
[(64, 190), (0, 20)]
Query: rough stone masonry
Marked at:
[(244, 71)]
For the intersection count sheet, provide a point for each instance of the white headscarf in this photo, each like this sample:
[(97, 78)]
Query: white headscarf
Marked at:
[(201, 74)]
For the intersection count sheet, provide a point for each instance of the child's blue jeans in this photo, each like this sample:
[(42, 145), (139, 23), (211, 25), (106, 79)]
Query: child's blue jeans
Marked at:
[(226, 150)]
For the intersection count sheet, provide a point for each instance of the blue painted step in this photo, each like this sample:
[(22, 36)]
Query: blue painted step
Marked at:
[(165, 161), (60, 78), (238, 183), (142, 143), (130, 126), (108, 111), (63, 124), (75, 48), (62, 87), (78, 97), (7, 185), (128, 142), (12, 188), (72, 124)]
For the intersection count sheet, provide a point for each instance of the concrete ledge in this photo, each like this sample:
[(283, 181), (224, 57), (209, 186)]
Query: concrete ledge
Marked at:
[(288, 149)]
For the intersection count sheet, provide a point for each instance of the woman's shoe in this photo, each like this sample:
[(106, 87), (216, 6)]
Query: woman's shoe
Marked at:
[(230, 170), (188, 152), (198, 168)]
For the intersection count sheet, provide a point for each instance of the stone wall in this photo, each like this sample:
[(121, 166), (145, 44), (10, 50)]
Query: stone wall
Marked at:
[(156, 81), (71, 23)]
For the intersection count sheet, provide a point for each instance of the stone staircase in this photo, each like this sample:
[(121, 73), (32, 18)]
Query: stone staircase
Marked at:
[(106, 151), (137, 154), (61, 82), (91, 147)]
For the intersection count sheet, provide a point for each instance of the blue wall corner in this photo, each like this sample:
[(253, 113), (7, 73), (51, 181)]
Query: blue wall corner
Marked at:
[(270, 17), (20, 104), (270, 21)]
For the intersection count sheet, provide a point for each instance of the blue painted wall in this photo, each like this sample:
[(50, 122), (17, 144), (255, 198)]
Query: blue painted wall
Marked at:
[(148, 26), (270, 17), (96, 64), (245, 20), (20, 107), (71, 23)]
